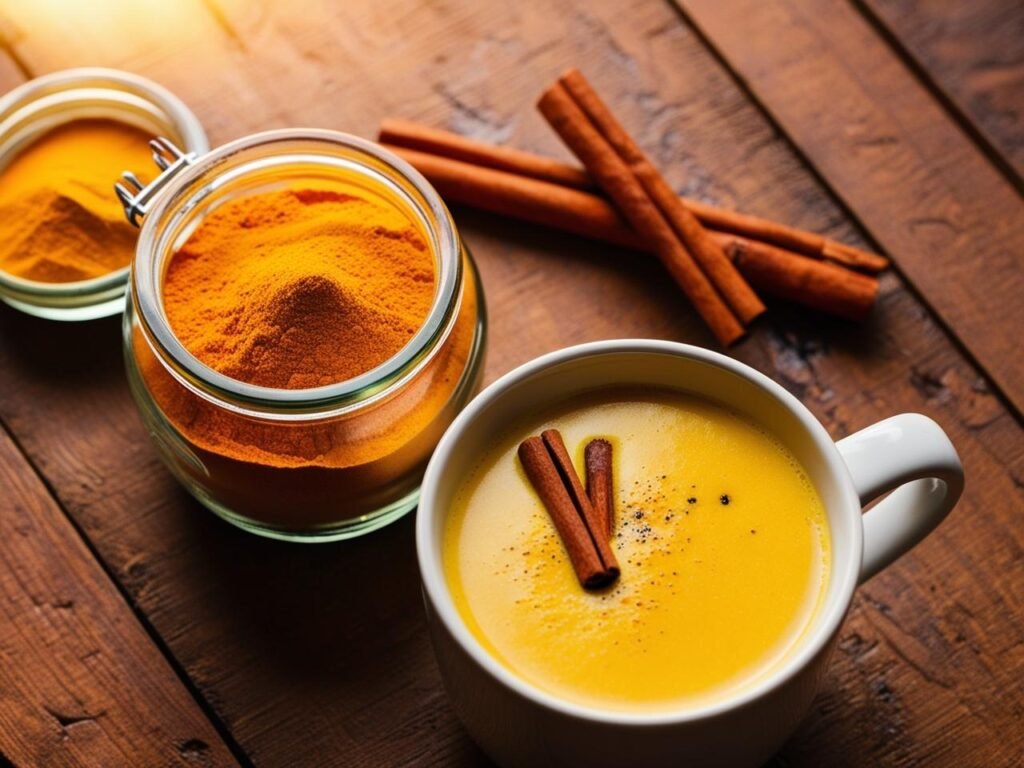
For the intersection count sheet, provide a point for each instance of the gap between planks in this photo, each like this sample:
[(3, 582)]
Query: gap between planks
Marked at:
[(967, 298), (960, 115), (119, 594)]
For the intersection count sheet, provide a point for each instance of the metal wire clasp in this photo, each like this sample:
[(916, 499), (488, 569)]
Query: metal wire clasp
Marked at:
[(135, 196)]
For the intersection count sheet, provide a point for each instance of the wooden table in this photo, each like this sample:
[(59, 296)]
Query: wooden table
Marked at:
[(137, 629)]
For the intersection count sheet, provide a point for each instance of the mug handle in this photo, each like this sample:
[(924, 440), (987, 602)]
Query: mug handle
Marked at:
[(912, 454)]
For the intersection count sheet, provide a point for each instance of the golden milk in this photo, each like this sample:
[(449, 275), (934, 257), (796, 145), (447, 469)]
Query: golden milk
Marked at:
[(721, 537)]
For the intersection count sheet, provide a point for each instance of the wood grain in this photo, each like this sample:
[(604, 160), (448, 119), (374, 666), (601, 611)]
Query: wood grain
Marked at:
[(82, 683), (951, 222), (972, 54), (308, 654)]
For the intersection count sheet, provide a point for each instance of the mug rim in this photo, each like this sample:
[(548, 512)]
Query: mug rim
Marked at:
[(822, 629)]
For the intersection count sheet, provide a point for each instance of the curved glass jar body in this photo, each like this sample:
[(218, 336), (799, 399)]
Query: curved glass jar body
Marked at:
[(46, 102), (321, 464)]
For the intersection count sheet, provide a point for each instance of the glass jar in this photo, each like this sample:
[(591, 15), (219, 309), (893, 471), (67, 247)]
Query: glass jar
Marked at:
[(46, 102), (316, 464)]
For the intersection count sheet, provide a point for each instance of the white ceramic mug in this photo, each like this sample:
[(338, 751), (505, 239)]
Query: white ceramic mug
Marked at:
[(519, 725)]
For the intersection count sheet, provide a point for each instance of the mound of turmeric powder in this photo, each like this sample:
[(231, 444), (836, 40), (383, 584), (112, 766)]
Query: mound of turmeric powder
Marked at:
[(59, 218), (299, 288), (295, 288)]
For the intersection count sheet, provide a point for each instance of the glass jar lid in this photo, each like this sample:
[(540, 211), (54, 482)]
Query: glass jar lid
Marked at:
[(188, 187)]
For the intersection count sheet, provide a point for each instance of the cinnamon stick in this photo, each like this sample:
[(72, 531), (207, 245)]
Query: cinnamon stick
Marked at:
[(712, 260), (521, 197), (636, 207), (433, 141), (841, 253), (597, 458), (816, 284), (404, 134), (824, 286), (553, 477)]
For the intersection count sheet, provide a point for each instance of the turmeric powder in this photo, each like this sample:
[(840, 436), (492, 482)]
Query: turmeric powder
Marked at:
[(297, 288), (59, 219)]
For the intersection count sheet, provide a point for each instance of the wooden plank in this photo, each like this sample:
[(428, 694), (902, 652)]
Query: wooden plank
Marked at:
[(924, 192), (11, 67), (972, 55), (304, 661), (82, 683), (182, 44)]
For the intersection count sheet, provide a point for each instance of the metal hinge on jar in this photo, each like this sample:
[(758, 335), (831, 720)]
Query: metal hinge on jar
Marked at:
[(135, 196)]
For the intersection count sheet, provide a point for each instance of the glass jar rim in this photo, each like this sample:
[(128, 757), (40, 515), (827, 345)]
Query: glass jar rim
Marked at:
[(314, 402), (88, 82)]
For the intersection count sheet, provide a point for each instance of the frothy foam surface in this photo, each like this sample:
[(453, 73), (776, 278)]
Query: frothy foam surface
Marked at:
[(722, 541)]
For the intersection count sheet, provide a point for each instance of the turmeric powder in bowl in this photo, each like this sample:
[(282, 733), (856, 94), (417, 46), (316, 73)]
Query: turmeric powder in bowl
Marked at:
[(59, 221), (298, 339), (65, 138)]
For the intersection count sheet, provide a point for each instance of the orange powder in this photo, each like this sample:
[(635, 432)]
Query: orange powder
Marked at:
[(59, 218), (296, 288), (299, 288)]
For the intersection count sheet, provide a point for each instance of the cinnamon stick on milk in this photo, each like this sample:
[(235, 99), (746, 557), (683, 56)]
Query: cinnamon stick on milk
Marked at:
[(597, 459), (553, 477)]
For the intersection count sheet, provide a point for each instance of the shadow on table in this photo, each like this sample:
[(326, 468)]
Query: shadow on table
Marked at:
[(52, 347), (333, 633)]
